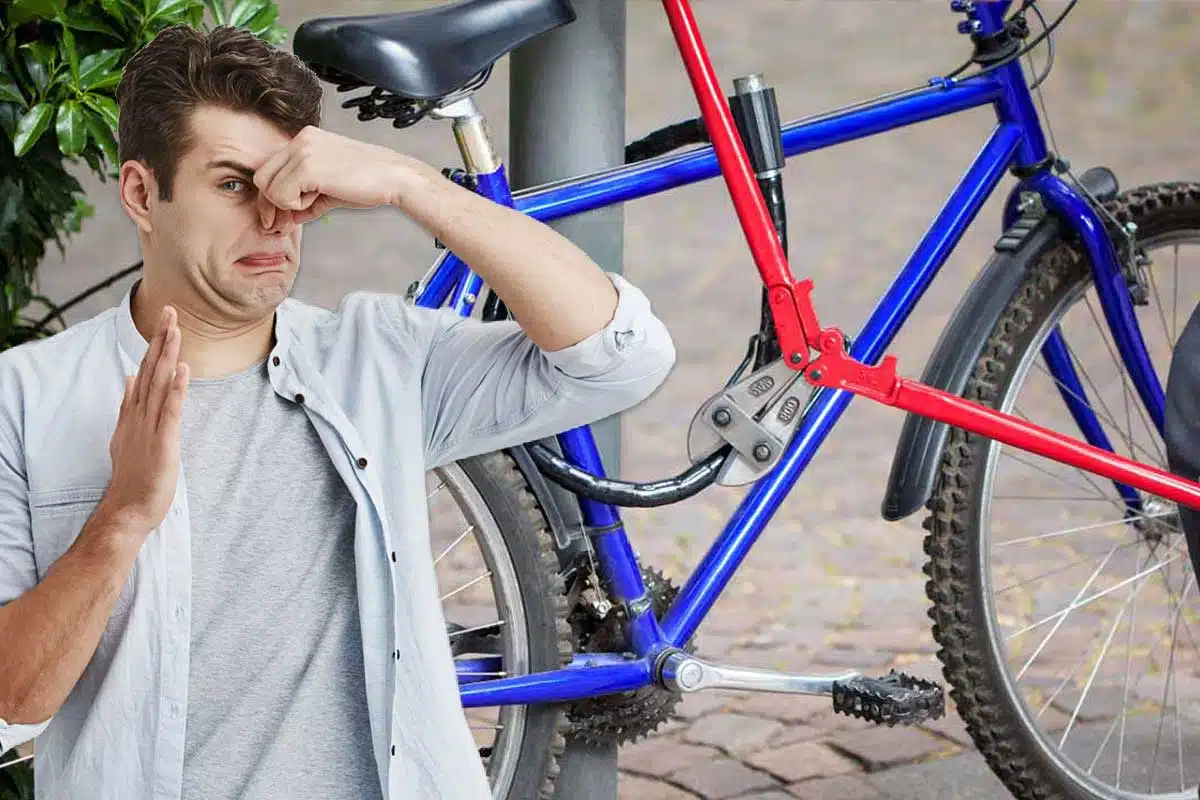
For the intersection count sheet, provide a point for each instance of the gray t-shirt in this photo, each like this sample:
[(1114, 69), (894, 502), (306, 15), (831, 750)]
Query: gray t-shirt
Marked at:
[(276, 649)]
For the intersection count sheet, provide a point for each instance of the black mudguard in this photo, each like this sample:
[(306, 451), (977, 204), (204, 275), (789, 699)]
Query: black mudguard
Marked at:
[(919, 449), (560, 506)]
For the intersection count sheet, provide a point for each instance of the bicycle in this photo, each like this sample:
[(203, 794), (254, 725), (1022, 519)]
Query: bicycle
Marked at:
[(588, 642)]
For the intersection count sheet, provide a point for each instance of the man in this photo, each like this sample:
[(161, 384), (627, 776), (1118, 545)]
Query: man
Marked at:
[(215, 574)]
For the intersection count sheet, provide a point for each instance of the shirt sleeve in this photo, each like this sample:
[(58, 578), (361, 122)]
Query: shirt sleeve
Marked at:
[(487, 385), (18, 571)]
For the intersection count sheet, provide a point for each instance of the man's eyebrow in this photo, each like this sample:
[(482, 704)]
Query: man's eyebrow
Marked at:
[(225, 163)]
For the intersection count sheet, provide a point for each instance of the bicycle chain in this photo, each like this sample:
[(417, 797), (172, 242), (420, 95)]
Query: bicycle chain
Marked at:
[(893, 699)]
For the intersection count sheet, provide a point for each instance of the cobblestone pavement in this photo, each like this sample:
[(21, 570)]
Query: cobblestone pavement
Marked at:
[(829, 585)]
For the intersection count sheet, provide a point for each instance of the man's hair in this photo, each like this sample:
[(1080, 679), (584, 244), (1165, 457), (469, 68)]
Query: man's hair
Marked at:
[(184, 68)]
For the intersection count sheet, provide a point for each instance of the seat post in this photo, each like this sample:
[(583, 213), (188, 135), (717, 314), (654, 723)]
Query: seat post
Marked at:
[(472, 135)]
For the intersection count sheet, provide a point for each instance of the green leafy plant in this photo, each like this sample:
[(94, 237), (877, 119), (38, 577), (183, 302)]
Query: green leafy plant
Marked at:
[(60, 62)]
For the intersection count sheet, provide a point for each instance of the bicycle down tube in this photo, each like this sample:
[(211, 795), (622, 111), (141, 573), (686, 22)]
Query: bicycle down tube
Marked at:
[(1011, 142)]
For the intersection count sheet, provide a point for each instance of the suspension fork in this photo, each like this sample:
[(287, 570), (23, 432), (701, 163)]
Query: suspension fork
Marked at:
[(799, 332)]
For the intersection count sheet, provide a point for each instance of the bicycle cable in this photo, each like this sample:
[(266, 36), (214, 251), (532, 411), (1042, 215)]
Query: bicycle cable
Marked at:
[(1049, 50), (1066, 167), (1029, 47)]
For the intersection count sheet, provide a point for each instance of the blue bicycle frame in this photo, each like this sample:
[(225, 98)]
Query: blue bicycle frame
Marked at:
[(1016, 141)]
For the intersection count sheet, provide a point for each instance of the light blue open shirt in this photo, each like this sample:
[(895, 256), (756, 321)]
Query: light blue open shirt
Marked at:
[(405, 388)]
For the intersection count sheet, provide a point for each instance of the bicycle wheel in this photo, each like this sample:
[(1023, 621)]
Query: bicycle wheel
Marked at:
[(502, 596), (1066, 623)]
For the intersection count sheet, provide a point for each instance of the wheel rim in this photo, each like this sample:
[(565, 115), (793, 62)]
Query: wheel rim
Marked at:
[(1034, 691), (478, 584)]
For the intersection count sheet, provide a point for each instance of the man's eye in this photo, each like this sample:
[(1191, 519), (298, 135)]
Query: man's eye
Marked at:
[(233, 185)]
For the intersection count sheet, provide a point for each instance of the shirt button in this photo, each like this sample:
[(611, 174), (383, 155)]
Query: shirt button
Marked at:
[(275, 361), (397, 654), (393, 749), (393, 555), (300, 399), (179, 612), (362, 463)]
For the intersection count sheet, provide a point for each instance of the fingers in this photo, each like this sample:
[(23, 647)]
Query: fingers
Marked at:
[(164, 372), (166, 323), (318, 206), (127, 397), (266, 173), (172, 408), (286, 188)]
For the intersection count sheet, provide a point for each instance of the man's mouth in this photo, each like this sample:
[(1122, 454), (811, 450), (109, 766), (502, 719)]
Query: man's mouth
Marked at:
[(264, 260)]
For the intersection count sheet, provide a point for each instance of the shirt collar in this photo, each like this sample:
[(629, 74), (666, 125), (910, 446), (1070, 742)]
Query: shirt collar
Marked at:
[(135, 345)]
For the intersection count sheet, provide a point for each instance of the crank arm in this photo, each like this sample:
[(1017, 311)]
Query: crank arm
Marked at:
[(894, 699), (682, 672)]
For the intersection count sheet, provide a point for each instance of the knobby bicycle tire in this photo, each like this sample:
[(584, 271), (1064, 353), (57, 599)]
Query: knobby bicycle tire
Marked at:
[(971, 664)]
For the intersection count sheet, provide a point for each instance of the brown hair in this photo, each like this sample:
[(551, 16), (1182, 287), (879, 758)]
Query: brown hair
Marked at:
[(184, 68)]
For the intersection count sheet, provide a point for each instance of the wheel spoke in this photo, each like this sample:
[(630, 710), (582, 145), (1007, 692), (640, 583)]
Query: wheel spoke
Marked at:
[(1162, 311), (470, 529), (1087, 687), (1080, 604), (16, 760), (1093, 487), (1055, 499), (483, 627), (1175, 302), (1062, 616), (1057, 570), (1105, 416), (1176, 613), (1068, 531), (467, 585), (1127, 391)]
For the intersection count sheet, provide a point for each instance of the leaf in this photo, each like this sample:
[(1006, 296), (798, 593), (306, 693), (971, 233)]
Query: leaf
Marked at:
[(262, 21), (107, 81), (10, 114), (220, 14), (25, 10), (66, 49), (114, 8), (9, 90), (105, 106), (31, 127), (83, 21), (39, 62), (102, 135), (72, 135), (98, 66), (170, 10), (245, 10)]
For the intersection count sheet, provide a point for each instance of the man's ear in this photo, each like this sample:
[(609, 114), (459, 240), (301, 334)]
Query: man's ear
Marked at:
[(138, 190)]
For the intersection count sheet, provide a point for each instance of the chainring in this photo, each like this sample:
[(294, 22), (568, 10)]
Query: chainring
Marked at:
[(625, 716)]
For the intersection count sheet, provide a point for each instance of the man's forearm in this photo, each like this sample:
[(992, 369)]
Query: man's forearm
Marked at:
[(49, 634), (557, 293)]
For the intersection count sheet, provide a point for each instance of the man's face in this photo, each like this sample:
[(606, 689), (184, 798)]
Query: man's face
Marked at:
[(215, 256)]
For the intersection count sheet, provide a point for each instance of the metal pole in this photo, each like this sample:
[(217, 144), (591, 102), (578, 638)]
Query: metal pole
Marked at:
[(567, 117)]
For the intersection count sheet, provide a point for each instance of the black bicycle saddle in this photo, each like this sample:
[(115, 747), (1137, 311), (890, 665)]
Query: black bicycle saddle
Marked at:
[(429, 53)]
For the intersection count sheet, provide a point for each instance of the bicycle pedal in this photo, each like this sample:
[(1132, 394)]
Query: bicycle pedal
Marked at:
[(895, 699)]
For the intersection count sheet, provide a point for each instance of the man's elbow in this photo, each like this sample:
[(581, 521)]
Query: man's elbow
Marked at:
[(655, 359)]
